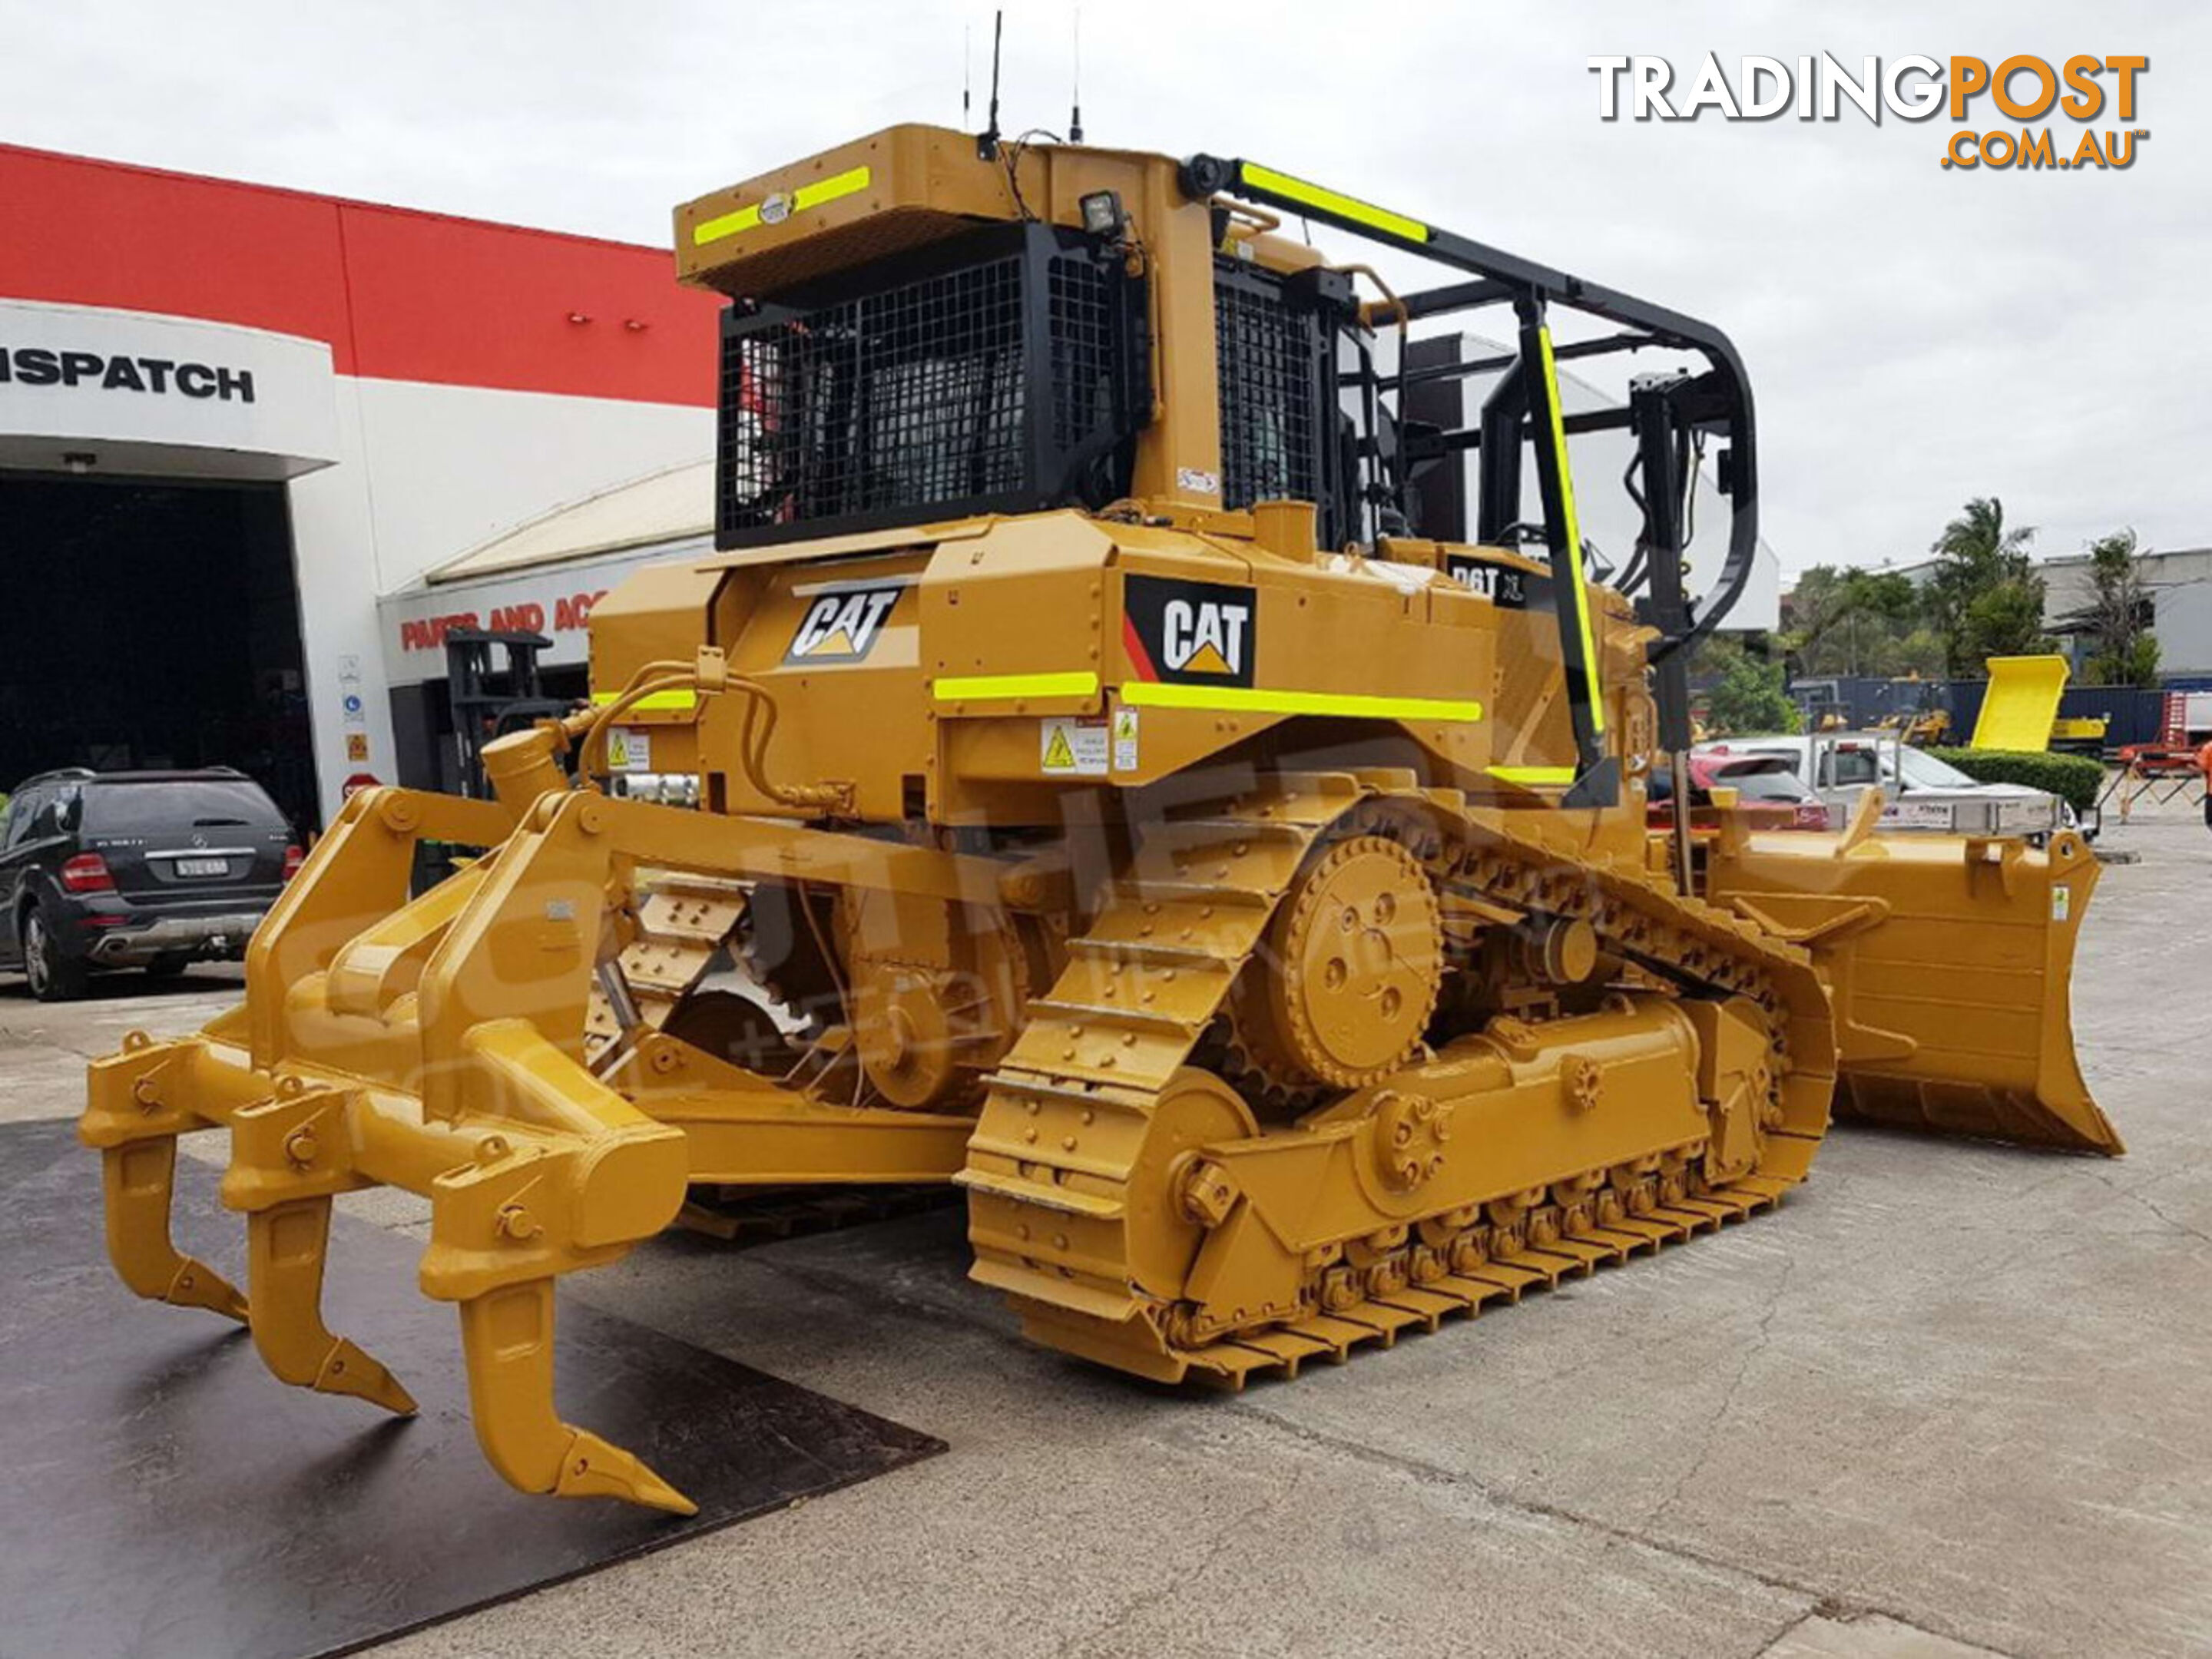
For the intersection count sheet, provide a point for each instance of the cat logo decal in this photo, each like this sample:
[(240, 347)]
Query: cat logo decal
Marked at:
[(843, 623), (1190, 633)]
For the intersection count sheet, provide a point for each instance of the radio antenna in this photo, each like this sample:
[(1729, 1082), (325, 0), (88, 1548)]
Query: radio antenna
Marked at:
[(988, 145), (1075, 102), (967, 70)]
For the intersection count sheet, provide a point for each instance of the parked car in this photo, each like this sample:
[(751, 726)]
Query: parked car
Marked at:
[(1924, 794), (1768, 793), (152, 870)]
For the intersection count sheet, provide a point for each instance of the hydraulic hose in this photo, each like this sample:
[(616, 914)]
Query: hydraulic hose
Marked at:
[(753, 737)]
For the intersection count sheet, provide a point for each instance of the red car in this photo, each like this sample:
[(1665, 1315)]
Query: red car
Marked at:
[(1769, 795)]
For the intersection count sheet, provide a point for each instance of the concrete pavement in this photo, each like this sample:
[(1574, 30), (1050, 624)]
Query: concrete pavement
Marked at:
[(1950, 1399)]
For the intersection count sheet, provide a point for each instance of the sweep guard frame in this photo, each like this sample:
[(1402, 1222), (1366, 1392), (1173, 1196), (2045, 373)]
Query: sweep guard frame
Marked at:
[(1717, 403)]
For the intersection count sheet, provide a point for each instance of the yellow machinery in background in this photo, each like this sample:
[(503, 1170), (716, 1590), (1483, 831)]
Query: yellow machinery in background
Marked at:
[(2081, 734), (1924, 728), (1927, 723), (1120, 796), (1929, 728), (2019, 709)]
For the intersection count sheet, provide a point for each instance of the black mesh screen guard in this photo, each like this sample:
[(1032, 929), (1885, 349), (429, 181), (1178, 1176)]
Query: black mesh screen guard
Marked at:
[(999, 374)]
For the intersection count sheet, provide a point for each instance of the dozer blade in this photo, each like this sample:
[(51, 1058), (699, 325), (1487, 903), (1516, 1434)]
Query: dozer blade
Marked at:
[(1948, 959)]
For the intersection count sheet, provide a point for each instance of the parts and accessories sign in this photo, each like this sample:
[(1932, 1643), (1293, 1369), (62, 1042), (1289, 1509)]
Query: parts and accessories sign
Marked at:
[(2077, 112)]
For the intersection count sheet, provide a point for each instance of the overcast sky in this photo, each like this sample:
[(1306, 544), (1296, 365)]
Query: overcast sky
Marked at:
[(1916, 334)]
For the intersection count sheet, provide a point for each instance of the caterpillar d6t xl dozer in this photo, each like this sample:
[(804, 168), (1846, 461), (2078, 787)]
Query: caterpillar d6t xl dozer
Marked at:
[(1122, 801)]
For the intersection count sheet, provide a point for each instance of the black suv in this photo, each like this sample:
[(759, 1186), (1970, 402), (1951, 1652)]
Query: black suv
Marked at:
[(149, 869)]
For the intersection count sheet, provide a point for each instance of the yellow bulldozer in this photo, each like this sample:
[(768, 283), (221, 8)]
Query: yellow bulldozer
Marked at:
[(1108, 786)]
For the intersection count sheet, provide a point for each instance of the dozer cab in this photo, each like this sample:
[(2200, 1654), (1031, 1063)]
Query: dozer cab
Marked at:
[(1116, 794)]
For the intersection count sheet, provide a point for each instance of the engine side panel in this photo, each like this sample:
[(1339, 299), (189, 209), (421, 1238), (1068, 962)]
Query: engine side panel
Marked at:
[(975, 675)]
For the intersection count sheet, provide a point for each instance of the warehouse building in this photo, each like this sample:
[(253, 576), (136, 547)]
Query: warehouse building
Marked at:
[(2179, 615), (2180, 590), (231, 417)]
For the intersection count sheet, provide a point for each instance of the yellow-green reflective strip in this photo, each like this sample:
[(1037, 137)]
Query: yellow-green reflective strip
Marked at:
[(829, 189), (651, 699), (1574, 534), (1532, 775), (1329, 201), (806, 196), (729, 224), (1261, 701), (968, 687)]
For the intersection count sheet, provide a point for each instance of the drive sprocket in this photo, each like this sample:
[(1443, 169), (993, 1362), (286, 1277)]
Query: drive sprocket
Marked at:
[(1346, 976)]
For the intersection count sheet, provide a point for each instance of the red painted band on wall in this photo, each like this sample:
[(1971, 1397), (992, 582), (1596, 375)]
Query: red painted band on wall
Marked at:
[(397, 294)]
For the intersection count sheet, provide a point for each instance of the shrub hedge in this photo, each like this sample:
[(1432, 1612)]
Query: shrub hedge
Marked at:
[(2074, 778)]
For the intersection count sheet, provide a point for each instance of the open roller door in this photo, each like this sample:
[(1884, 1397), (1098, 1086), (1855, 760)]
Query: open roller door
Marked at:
[(151, 624)]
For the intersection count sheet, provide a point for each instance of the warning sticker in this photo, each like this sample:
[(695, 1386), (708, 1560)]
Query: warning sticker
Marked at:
[(2062, 903), (356, 747), (1125, 740), (1073, 747), (629, 749)]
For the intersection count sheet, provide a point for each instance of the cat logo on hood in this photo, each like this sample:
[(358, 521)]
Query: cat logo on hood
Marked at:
[(842, 624)]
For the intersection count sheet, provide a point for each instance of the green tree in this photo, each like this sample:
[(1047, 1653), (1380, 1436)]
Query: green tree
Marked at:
[(1858, 622), (1749, 695), (1985, 600), (1917, 653), (2125, 650), (2005, 620)]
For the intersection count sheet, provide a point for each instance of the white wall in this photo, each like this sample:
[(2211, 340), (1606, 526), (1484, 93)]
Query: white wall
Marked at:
[(2184, 628), (425, 473), (388, 477), (454, 466), (2181, 586), (554, 599), (334, 553)]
